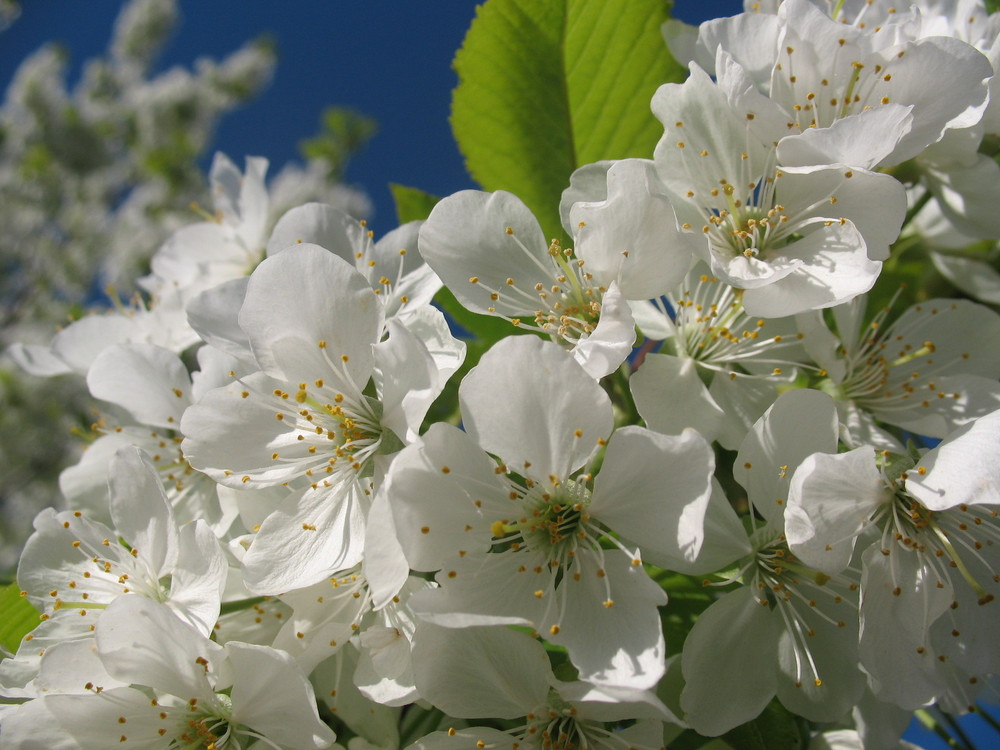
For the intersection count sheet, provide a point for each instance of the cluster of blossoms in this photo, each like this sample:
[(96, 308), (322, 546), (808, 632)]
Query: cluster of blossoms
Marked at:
[(95, 174), (697, 394)]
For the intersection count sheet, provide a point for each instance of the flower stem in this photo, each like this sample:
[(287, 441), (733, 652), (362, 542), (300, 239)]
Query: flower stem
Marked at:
[(616, 385), (957, 730), (916, 208), (931, 724)]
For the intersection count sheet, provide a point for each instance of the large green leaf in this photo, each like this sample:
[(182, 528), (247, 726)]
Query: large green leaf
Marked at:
[(546, 86), (17, 617)]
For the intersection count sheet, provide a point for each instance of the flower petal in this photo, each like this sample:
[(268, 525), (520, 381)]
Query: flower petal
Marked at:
[(491, 237), (312, 534), (480, 671), (444, 494), (799, 423), (606, 347), (963, 468), (654, 489), (671, 396), (297, 325), (143, 643), (528, 402), (609, 622), (633, 236), (830, 501), (729, 663), (141, 512), (900, 600), (271, 695)]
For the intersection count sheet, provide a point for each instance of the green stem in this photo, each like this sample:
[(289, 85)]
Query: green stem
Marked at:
[(957, 730), (556, 252), (916, 208), (621, 396), (931, 724), (900, 248)]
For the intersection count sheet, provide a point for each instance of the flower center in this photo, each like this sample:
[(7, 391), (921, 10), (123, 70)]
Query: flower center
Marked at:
[(746, 230), (554, 520), (556, 726), (333, 431), (847, 86), (567, 304), (807, 601), (555, 730), (948, 540), (894, 368), (714, 330), (207, 731)]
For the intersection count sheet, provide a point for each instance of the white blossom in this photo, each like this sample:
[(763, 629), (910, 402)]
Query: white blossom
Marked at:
[(174, 687), (530, 404), (72, 568), (930, 576)]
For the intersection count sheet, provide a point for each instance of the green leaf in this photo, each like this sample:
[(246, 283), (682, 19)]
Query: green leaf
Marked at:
[(412, 204), (17, 617), (775, 727), (485, 327), (546, 86)]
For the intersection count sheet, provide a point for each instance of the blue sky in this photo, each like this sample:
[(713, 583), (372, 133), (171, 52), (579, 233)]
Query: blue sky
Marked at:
[(388, 58)]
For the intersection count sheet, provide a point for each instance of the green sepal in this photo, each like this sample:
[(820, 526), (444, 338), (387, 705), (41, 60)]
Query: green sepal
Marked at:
[(17, 617), (390, 443)]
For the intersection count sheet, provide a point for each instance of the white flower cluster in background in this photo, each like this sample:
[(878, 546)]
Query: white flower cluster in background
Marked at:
[(274, 530), (93, 178)]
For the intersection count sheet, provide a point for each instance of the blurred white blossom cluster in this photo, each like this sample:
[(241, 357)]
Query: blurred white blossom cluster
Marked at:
[(93, 179), (304, 519)]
